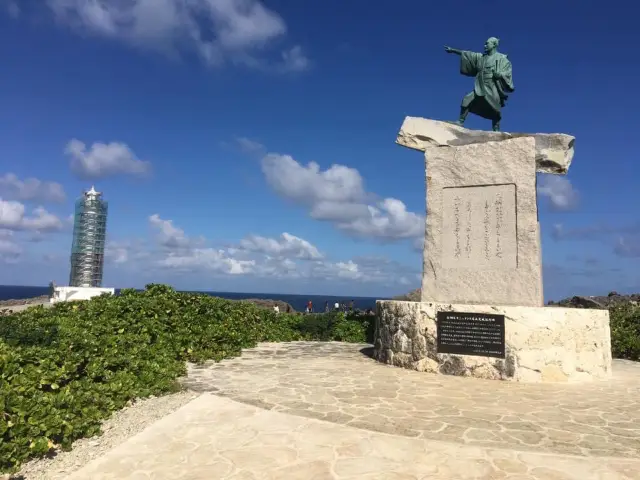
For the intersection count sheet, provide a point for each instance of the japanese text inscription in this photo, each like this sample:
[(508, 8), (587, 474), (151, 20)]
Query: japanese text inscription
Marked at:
[(479, 227), (465, 333)]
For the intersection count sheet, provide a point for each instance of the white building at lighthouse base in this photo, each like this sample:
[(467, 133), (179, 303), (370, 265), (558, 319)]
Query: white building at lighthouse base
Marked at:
[(68, 294)]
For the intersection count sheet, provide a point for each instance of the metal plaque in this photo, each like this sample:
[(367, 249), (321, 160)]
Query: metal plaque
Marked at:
[(462, 333)]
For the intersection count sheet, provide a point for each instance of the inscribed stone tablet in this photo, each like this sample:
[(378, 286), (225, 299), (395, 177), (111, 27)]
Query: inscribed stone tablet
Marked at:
[(479, 227), (464, 333)]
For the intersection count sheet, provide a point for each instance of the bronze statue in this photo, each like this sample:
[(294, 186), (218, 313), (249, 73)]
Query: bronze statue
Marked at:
[(493, 82)]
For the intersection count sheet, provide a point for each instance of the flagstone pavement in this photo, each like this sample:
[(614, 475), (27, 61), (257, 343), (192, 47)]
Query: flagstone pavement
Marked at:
[(316, 411)]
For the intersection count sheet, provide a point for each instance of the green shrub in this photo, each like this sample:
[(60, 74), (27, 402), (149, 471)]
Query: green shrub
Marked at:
[(348, 331), (337, 326), (625, 331), (319, 325), (65, 369)]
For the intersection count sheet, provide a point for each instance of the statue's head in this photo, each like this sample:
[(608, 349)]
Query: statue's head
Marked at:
[(491, 45)]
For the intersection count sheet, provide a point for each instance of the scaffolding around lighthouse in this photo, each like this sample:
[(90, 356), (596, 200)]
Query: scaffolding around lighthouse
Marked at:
[(89, 235)]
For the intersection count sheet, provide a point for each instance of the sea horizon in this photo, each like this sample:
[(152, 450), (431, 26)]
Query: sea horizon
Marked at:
[(297, 301)]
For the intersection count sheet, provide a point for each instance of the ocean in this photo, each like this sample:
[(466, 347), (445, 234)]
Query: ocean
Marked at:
[(298, 302)]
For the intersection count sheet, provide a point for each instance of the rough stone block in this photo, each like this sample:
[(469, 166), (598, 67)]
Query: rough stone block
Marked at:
[(482, 241), (542, 344), (553, 151)]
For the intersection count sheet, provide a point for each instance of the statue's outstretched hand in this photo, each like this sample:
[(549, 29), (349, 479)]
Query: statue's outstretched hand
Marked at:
[(448, 49)]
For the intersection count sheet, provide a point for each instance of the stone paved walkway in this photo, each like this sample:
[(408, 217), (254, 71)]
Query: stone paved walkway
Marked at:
[(328, 411)]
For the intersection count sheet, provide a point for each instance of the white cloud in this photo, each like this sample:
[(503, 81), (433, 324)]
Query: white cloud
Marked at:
[(559, 192), (283, 257), (116, 253), (286, 246), (13, 188), (181, 252), (10, 251), (218, 31), (307, 184), (363, 270), (172, 237), (388, 220), (418, 244), (13, 217), (338, 195), (628, 246), (372, 269), (348, 270), (278, 267), (125, 252), (11, 7), (249, 146), (103, 160), (294, 60), (209, 259)]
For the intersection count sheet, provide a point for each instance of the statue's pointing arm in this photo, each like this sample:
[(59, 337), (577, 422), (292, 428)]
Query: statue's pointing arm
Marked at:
[(469, 61), (452, 50)]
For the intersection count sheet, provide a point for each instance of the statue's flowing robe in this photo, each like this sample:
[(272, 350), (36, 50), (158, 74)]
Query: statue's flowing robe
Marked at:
[(489, 95)]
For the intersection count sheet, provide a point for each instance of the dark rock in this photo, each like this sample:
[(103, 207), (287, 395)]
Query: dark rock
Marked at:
[(586, 302), (413, 296), (453, 366), (268, 303), (24, 301), (613, 299)]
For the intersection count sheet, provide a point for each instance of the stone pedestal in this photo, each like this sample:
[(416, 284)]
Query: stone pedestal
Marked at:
[(542, 344), (482, 238), (482, 259), (482, 243)]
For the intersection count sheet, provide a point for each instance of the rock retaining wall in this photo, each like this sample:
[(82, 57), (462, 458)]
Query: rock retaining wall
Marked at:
[(541, 344)]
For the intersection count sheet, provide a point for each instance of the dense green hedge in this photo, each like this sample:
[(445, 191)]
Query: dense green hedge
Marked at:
[(65, 369), (625, 331)]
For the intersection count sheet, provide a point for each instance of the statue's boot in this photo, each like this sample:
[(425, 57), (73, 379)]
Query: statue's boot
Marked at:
[(463, 116), (495, 124)]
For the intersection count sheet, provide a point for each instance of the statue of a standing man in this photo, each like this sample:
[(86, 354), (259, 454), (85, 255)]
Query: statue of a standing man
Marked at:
[(493, 82)]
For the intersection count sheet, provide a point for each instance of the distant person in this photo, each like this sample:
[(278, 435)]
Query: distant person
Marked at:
[(310, 307), (326, 306), (336, 306), (276, 309)]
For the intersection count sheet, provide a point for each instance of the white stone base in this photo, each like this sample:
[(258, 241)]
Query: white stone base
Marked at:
[(542, 344), (67, 294)]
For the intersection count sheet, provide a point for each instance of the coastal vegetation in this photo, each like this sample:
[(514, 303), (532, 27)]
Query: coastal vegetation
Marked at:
[(65, 369), (625, 331)]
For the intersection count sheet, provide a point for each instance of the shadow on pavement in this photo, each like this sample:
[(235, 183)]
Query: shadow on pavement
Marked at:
[(367, 352)]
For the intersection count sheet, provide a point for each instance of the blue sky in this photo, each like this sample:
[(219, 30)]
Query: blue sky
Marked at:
[(199, 119)]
